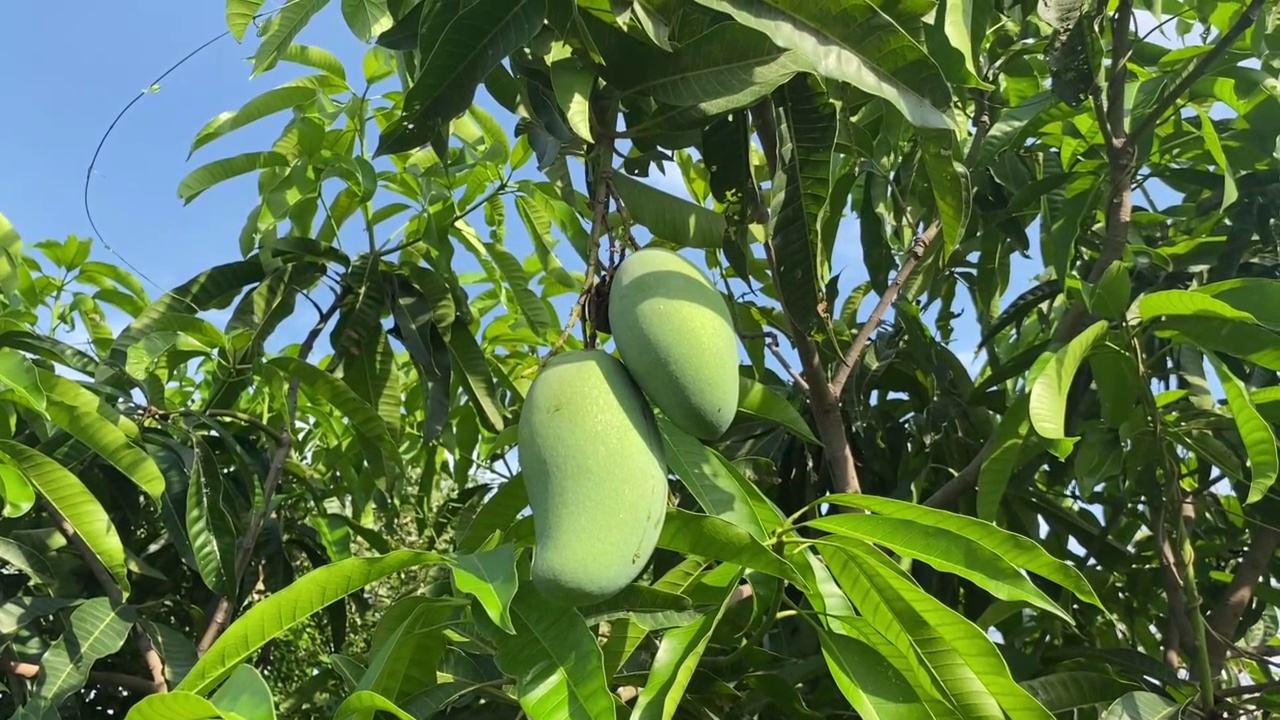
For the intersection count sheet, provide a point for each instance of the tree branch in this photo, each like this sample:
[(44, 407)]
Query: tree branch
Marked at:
[(1122, 150), (31, 671), (222, 613), (115, 595), (1197, 69), (1225, 618), (853, 356)]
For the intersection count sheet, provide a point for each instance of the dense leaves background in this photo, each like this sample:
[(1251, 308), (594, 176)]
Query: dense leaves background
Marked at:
[(1083, 523)]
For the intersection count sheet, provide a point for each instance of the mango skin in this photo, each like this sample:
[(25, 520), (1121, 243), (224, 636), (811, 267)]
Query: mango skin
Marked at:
[(596, 476), (675, 335)]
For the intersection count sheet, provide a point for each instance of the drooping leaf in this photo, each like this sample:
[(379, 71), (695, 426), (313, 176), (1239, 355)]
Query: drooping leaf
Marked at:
[(993, 477), (554, 658), (74, 502), (364, 703), (19, 375), (277, 613), (872, 685), (1255, 432), (267, 104), (680, 652), (761, 401), (210, 525), (174, 706), (239, 14), (279, 30), (326, 387), (458, 49), (668, 217), (367, 18), (806, 139), (945, 550), (1140, 705), (1069, 690), (1023, 552), (77, 410), (490, 576), (854, 42), (718, 488), (217, 171), (1048, 400), (715, 538)]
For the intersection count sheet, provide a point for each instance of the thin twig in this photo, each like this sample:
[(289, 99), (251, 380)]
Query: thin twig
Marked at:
[(222, 613), (599, 215), (1196, 70), (114, 594)]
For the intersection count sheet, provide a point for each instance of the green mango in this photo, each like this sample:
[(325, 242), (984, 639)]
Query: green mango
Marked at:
[(596, 476), (675, 335)]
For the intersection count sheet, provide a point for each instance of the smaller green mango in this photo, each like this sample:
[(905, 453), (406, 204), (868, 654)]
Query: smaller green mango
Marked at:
[(675, 335), (594, 469)]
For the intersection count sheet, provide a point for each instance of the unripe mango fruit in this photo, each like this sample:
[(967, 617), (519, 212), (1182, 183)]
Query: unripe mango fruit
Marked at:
[(596, 476), (676, 337)]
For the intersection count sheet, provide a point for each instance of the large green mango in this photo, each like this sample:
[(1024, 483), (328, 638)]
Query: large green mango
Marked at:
[(596, 476), (675, 334)]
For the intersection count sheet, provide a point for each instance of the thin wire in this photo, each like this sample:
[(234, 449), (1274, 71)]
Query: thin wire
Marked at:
[(103, 141)]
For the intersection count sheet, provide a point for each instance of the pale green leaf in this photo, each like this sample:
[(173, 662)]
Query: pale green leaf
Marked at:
[(490, 576), (246, 695), (1048, 408), (367, 18), (95, 630), (1255, 432), (210, 174), (761, 401), (668, 217)]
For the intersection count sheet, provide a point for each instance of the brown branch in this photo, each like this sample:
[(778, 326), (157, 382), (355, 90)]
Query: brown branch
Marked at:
[(949, 494), (1197, 69), (853, 356), (222, 612), (1225, 618), (771, 342), (1248, 689), (114, 594), (1122, 149), (30, 671)]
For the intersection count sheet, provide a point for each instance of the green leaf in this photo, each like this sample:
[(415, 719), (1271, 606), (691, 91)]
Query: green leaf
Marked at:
[(267, 104), (1214, 144), (210, 174), (680, 652), (279, 30), (871, 684), (174, 706), (719, 489), (1110, 296), (1243, 340), (27, 560), (715, 538), (1140, 705), (532, 307), (555, 660), (1067, 691), (1255, 432), (458, 49), (761, 401), (78, 411), (1006, 449), (573, 85), (1258, 297), (74, 502), (282, 610), (323, 386), (806, 141), (477, 377), (19, 375), (367, 18), (239, 14), (95, 630), (952, 192), (315, 57), (729, 67), (1188, 303), (364, 703), (210, 524), (490, 576), (19, 496), (668, 217), (1048, 408), (1023, 552), (246, 695), (854, 41), (948, 551), (371, 373), (961, 656)]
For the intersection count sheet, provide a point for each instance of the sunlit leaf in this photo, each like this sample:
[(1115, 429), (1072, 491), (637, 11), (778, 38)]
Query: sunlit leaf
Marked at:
[(1048, 399)]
